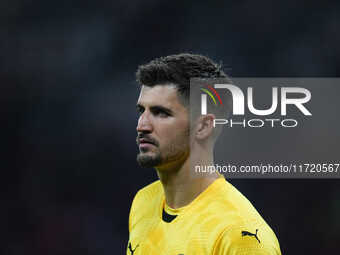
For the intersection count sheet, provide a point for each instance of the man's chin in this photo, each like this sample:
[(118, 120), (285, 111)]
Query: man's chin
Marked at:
[(145, 160)]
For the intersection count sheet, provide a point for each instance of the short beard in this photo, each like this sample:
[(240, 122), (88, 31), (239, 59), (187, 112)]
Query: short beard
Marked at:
[(149, 161)]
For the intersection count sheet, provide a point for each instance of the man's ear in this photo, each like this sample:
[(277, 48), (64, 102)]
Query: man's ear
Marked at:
[(205, 126)]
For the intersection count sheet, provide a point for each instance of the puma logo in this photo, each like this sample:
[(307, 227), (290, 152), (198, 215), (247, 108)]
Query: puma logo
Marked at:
[(130, 248), (246, 233)]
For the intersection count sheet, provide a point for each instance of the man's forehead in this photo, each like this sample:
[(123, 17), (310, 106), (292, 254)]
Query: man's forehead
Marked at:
[(159, 94)]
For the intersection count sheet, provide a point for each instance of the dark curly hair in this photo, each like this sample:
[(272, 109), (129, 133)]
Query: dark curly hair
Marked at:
[(178, 69)]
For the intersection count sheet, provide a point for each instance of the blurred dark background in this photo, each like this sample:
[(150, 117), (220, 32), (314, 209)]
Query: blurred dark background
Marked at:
[(68, 116)]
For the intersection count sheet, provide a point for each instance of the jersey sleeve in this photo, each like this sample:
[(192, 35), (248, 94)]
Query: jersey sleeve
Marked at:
[(247, 240)]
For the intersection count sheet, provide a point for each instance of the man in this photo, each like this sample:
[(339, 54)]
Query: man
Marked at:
[(182, 213)]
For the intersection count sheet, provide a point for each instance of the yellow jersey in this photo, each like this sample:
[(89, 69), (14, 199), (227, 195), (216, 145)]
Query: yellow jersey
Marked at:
[(220, 220)]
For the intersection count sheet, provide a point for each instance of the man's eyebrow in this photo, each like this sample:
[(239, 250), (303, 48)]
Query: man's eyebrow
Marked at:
[(155, 107), (162, 108)]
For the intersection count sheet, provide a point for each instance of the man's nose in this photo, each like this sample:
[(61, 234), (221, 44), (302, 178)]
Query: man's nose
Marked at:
[(144, 123)]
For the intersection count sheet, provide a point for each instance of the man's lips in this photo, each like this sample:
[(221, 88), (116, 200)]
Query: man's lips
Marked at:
[(144, 144), (145, 141)]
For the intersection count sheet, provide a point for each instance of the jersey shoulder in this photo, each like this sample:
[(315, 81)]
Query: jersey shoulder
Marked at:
[(226, 200), (245, 231), (150, 191), (145, 201)]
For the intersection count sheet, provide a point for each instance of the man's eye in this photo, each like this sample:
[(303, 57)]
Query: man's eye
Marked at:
[(140, 111), (161, 113)]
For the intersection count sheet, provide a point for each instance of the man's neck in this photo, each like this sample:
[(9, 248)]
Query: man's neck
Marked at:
[(181, 184)]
